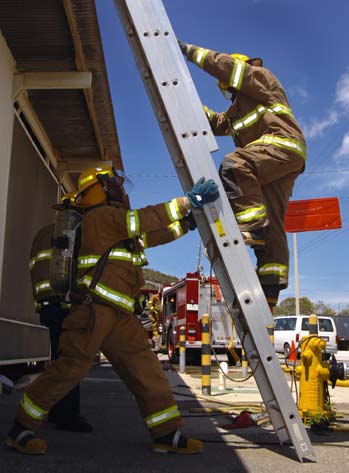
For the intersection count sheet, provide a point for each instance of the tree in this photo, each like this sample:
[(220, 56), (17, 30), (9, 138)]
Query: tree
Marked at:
[(288, 306), (320, 308), (345, 311)]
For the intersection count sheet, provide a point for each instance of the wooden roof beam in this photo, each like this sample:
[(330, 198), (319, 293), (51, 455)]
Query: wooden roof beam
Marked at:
[(81, 66), (77, 165), (37, 133), (50, 80)]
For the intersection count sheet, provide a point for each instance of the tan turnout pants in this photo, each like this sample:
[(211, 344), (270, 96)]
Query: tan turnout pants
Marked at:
[(263, 175), (124, 342)]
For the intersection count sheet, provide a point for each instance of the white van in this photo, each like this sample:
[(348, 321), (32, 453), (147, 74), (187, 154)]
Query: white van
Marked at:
[(294, 328)]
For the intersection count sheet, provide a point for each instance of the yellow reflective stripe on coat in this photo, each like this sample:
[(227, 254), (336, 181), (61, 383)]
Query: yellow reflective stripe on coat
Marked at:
[(253, 213), (132, 221), (42, 286), (105, 292), (31, 409), (172, 209), (209, 113), (199, 56), (273, 269), (176, 229), (253, 117), (285, 143), (138, 259), (143, 240), (40, 256), (89, 261), (237, 74), (162, 417)]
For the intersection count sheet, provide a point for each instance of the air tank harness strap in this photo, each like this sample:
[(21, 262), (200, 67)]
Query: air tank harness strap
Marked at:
[(83, 296)]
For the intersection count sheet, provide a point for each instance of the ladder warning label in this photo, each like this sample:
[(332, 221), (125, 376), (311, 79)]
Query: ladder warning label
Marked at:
[(217, 221), (220, 228)]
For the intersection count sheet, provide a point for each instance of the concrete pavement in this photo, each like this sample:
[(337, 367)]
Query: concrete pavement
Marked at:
[(120, 442)]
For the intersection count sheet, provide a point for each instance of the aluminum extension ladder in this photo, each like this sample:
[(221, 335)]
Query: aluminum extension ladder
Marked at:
[(190, 142)]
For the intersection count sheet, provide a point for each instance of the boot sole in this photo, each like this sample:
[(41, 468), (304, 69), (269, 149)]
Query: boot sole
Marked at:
[(180, 451), (10, 443)]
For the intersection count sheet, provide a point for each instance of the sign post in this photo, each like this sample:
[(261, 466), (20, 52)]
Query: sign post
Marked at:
[(306, 216)]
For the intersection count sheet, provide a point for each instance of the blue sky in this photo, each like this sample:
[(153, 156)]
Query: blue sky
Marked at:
[(305, 44)]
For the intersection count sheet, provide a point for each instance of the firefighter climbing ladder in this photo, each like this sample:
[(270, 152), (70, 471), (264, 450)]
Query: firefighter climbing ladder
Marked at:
[(190, 142)]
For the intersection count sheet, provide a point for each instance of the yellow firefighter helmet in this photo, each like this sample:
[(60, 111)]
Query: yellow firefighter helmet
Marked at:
[(69, 196), (91, 176), (241, 57)]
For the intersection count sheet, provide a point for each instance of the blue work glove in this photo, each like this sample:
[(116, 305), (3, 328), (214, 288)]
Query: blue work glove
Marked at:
[(202, 193), (183, 46), (190, 221)]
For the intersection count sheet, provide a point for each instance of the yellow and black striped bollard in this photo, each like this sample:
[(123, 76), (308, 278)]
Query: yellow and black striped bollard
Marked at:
[(206, 355), (313, 327), (182, 349), (244, 363), (270, 329)]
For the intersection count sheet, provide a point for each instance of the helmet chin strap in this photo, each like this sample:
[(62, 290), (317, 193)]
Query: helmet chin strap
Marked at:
[(112, 197)]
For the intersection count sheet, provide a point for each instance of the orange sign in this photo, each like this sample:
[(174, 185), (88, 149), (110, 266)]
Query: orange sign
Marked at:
[(313, 214)]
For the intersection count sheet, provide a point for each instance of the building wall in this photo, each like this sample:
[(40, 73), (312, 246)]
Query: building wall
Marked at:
[(31, 193), (7, 67), (27, 192)]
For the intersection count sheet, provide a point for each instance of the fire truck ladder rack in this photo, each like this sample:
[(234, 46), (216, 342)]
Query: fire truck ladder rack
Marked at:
[(190, 142)]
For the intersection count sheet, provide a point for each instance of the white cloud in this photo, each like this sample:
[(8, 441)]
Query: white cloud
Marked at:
[(317, 128), (343, 152), (299, 91), (336, 181), (341, 104), (342, 91)]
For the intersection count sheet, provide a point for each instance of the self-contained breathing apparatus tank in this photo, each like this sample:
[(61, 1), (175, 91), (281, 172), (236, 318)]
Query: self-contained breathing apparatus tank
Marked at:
[(65, 246)]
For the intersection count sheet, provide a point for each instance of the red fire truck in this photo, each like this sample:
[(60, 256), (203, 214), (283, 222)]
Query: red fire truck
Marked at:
[(184, 303)]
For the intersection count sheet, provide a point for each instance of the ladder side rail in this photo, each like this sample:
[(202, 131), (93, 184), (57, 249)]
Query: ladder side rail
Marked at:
[(241, 278), (192, 147)]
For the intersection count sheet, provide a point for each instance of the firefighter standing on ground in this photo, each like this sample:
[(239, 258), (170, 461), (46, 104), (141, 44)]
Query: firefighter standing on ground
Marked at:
[(53, 309), (154, 314), (106, 319), (270, 153)]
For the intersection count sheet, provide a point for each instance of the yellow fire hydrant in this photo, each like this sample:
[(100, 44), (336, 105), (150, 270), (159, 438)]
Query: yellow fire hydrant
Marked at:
[(313, 374)]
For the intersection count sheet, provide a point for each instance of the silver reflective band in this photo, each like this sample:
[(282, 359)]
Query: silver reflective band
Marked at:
[(173, 210), (85, 262), (41, 255), (237, 74), (286, 143), (257, 113), (176, 229), (132, 222), (116, 254), (273, 268), (162, 416), (31, 409), (42, 286), (109, 294), (255, 213), (199, 56)]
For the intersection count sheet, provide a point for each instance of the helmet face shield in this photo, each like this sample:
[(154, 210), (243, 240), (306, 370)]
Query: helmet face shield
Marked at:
[(122, 180), (118, 178)]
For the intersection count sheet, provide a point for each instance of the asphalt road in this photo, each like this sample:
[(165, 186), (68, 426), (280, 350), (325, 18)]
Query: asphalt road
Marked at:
[(120, 442)]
